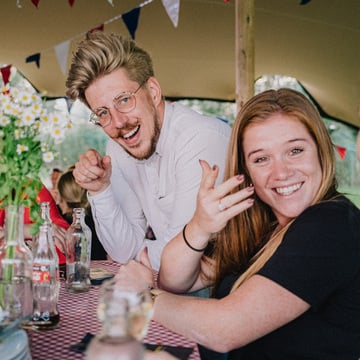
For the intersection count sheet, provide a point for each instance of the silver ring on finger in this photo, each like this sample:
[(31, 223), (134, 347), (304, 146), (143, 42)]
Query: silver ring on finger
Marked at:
[(221, 206)]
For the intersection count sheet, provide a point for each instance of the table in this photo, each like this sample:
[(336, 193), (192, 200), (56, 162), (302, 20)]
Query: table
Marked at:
[(78, 317)]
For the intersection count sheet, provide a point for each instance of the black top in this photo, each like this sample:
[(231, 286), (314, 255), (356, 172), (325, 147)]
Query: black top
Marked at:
[(319, 261)]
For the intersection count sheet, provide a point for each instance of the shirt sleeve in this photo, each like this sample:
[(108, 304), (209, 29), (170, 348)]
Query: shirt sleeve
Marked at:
[(318, 254), (122, 239)]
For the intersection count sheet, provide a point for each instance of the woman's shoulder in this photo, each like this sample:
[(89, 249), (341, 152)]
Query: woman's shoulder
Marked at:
[(337, 206), (337, 216)]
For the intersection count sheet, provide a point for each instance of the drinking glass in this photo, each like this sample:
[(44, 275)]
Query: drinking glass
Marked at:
[(138, 296)]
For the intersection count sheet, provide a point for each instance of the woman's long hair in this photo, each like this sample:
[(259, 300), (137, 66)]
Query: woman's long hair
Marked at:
[(249, 239)]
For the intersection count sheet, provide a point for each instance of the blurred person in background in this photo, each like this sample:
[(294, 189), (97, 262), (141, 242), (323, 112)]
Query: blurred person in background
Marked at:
[(71, 196)]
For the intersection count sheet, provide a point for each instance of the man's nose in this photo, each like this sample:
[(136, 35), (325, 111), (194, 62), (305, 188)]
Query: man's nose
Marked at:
[(118, 119)]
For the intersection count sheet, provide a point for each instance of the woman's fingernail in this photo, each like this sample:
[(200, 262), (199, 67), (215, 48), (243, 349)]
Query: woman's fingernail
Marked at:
[(214, 167), (250, 189), (240, 177)]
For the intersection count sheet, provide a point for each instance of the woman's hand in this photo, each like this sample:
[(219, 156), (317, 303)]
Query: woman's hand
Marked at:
[(217, 205)]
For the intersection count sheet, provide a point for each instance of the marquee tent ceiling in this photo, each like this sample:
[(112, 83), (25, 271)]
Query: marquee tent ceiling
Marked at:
[(318, 43)]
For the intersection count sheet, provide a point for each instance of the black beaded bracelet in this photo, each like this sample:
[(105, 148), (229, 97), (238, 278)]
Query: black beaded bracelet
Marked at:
[(187, 243)]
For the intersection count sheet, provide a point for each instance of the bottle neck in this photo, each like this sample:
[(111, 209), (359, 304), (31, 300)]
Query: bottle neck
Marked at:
[(45, 211), (79, 216)]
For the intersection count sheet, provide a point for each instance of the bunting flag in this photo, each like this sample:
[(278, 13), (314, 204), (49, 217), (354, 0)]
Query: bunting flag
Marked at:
[(131, 20), (5, 72), (172, 8), (34, 58), (304, 2), (35, 2), (62, 51), (341, 151)]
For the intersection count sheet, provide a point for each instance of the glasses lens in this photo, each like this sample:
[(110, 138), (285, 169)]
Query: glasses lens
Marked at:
[(101, 118), (124, 103)]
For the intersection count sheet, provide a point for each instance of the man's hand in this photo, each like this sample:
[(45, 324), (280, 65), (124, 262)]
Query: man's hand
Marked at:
[(139, 270), (92, 171)]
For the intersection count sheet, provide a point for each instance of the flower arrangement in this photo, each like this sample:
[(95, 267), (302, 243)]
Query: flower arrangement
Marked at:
[(28, 134)]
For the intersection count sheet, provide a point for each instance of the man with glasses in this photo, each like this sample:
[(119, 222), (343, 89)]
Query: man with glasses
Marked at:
[(151, 172)]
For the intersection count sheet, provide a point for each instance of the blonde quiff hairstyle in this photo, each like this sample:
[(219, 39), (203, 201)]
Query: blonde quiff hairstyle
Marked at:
[(240, 245), (99, 54)]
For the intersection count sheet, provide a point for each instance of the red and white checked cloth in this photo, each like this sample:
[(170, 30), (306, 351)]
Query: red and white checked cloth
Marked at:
[(78, 317)]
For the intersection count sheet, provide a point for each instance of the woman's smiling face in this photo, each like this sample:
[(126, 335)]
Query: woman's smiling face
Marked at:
[(283, 164)]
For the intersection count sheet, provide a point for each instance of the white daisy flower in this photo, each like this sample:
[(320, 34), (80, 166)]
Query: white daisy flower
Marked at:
[(20, 148), (48, 156)]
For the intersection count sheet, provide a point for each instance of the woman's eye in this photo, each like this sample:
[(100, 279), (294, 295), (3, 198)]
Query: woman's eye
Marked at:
[(260, 160), (296, 151)]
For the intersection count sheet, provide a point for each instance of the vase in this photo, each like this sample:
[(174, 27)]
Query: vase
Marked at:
[(16, 301)]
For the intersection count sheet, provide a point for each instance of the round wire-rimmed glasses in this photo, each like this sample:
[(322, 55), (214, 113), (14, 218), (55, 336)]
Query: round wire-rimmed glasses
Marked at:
[(124, 103)]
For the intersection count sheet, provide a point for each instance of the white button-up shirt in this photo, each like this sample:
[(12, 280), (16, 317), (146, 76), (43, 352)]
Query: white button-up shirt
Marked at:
[(160, 191)]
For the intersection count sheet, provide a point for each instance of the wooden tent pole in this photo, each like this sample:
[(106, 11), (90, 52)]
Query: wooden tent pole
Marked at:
[(244, 49)]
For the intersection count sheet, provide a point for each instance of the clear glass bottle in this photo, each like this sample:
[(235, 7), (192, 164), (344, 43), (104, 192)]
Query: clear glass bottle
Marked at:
[(16, 299), (78, 253), (46, 282), (114, 342)]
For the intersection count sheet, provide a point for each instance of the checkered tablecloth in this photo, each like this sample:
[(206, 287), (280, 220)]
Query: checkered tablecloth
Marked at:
[(78, 317)]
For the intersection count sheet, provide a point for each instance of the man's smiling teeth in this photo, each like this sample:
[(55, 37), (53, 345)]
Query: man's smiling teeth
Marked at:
[(288, 190), (131, 133)]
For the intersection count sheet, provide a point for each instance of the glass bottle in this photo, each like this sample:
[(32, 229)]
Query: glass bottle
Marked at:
[(78, 253), (16, 299), (46, 283), (114, 342)]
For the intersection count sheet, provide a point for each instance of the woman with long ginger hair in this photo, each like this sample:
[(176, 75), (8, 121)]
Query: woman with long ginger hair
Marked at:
[(286, 260)]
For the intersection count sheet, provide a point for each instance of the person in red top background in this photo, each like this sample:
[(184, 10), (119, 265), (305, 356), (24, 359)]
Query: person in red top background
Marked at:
[(60, 225)]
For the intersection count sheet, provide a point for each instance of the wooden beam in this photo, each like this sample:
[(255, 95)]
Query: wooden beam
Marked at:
[(244, 51)]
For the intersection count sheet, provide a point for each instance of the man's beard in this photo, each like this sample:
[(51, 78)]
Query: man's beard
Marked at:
[(153, 142)]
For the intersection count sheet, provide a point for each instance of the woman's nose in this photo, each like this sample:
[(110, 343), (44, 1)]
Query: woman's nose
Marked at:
[(281, 169)]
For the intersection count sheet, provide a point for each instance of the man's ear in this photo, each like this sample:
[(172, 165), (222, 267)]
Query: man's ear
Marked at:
[(154, 89)]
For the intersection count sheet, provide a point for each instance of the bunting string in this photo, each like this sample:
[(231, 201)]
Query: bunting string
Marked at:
[(130, 19)]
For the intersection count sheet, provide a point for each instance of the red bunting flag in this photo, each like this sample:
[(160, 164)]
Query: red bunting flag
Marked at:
[(71, 2), (35, 2), (98, 28), (341, 151), (5, 72)]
